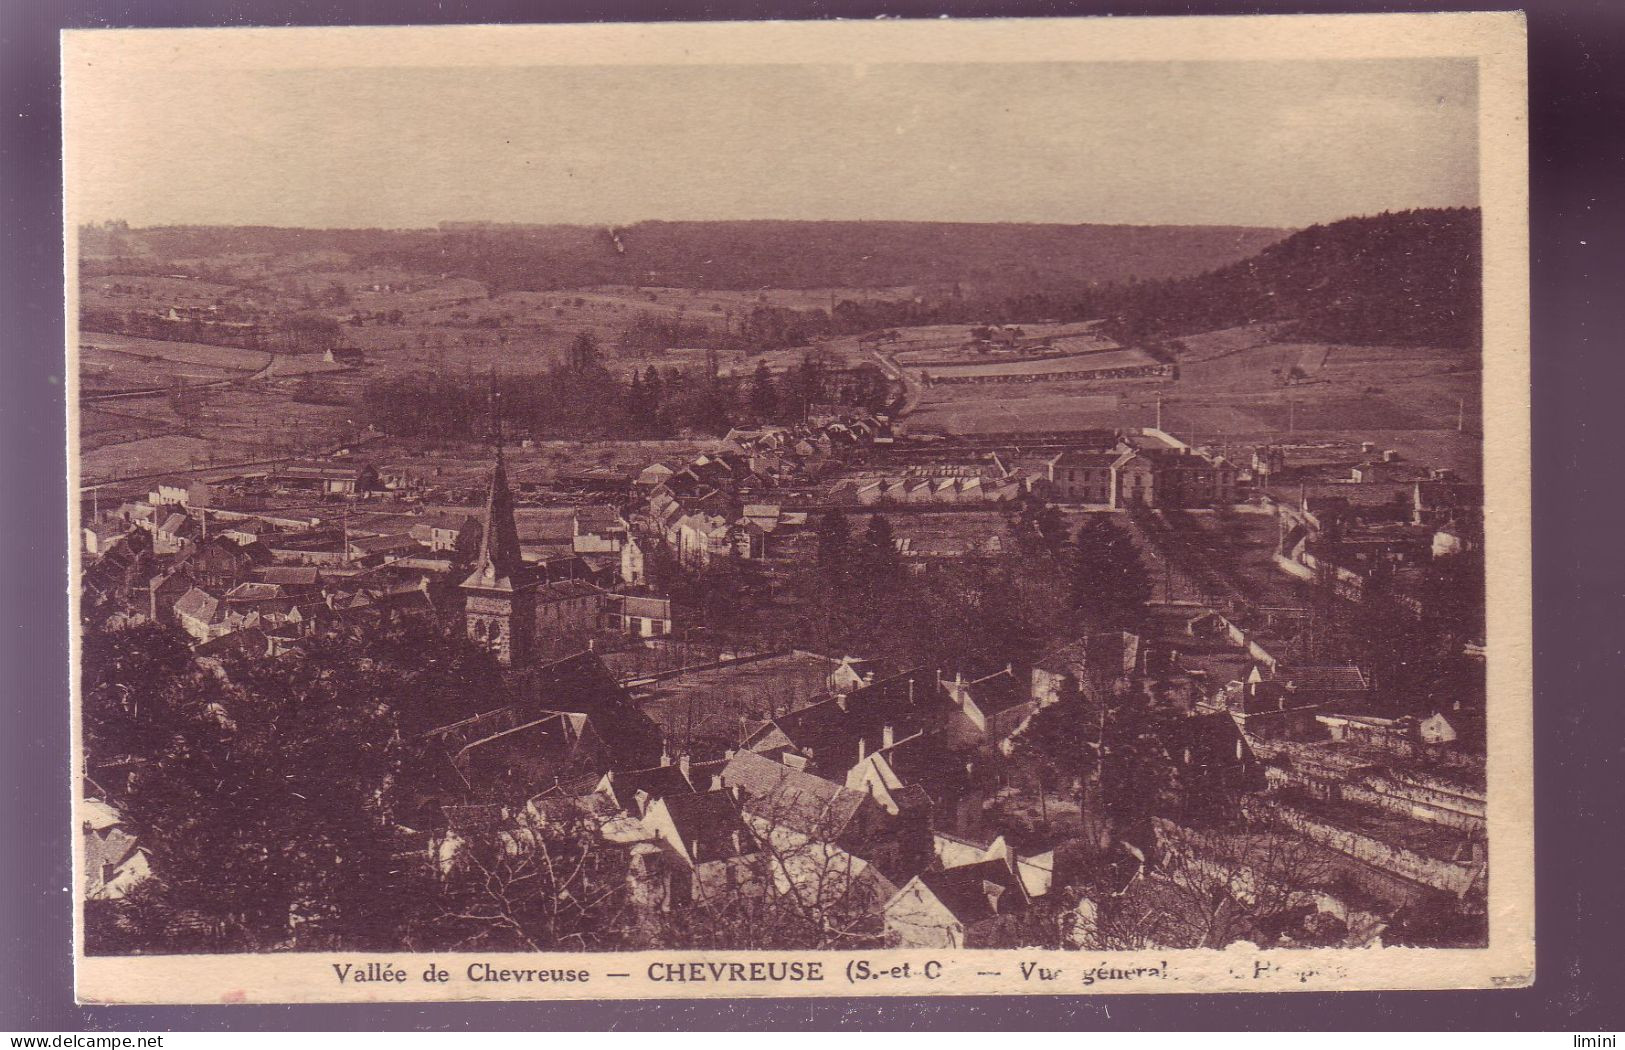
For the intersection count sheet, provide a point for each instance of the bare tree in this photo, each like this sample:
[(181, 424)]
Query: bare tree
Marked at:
[(541, 881), (1255, 882), (798, 881)]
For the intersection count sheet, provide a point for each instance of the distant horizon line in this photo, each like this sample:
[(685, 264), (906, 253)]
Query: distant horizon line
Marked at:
[(440, 225)]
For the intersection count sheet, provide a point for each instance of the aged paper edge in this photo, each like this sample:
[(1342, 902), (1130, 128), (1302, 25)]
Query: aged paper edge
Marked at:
[(1496, 40)]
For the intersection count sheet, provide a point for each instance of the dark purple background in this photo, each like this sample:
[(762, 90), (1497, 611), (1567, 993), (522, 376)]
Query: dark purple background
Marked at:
[(1577, 145)]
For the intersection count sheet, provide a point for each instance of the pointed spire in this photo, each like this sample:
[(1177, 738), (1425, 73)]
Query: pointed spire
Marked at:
[(501, 563)]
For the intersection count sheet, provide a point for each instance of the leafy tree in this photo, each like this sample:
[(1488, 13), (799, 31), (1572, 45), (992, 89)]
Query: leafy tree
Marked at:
[(1060, 745), (764, 398), (834, 541), (584, 352), (273, 795), (1109, 581), (134, 689), (877, 563)]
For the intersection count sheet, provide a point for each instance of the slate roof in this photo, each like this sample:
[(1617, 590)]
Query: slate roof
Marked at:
[(290, 575), (1433, 495), (710, 826), (1326, 678), (382, 544), (598, 519), (652, 608), (829, 733), (998, 692), (1212, 740), (251, 640), (1077, 458), (249, 592), (582, 684), (791, 798), (963, 890), (656, 782), (199, 604), (928, 768), (564, 590)]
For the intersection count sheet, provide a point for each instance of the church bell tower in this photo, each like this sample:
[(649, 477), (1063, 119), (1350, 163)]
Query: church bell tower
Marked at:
[(499, 596)]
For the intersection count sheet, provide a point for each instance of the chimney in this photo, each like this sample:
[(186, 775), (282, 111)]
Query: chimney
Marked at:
[(665, 755), (868, 679), (682, 764), (840, 701), (863, 749), (716, 781), (887, 736)]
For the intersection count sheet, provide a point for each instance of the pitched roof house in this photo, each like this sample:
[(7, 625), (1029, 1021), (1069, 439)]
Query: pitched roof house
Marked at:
[(970, 906), (201, 615)]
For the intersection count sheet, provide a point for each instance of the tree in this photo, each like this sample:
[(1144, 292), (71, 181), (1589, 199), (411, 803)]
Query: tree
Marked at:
[(1040, 529), (543, 880), (1061, 745), (584, 352), (1255, 882), (876, 560), (834, 541), (272, 795), (1109, 581), (186, 401), (138, 684), (764, 399)]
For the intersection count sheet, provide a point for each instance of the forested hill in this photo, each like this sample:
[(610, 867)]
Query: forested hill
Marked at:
[(1407, 278), (989, 259)]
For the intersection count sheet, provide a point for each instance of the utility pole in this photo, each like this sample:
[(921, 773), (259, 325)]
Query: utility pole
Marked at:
[(1159, 408), (1461, 414), (1291, 416)]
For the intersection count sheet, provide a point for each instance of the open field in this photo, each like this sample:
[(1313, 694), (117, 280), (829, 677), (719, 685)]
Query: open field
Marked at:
[(1125, 358), (156, 455), (124, 292), (1236, 389), (985, 415), (126, 361)]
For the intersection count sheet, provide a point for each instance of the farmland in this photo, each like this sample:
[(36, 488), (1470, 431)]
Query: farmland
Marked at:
[(1234, 387), (118, 361), (1237, 388)]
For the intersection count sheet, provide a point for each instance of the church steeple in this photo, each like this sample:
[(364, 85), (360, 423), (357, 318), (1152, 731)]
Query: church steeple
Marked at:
[(500, 565), (499, 596)]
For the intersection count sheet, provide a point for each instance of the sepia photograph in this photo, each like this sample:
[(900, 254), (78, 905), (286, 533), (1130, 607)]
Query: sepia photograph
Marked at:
[(839, 509)]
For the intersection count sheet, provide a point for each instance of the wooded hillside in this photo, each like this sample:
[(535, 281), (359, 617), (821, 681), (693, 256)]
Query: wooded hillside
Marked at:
[(984, 258), (1407, 278)]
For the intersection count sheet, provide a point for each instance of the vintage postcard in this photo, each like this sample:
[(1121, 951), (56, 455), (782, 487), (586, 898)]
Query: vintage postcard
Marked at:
[(823, 509)]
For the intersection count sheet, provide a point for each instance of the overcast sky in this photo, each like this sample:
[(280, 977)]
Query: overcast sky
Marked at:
[(1245, 143)]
